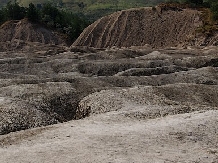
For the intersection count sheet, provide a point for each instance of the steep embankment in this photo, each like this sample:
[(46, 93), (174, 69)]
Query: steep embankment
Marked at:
[(17, 32), (158, 27)]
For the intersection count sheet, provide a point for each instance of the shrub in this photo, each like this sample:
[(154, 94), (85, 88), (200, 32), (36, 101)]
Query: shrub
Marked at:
[(214, 8), (33, 13)]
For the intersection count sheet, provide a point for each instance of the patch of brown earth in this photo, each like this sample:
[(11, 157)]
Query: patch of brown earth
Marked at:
[(17, 33), (138, 27)]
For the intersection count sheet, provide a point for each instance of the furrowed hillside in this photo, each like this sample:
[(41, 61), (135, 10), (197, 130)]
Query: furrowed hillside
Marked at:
[(165, 25)]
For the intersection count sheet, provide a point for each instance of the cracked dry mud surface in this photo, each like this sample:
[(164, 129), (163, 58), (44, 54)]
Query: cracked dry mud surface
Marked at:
[(132, 104)]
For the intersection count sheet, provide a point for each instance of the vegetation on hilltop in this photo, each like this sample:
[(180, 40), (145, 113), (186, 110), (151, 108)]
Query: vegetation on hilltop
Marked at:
[(64, 22), (212, 5), (62, 15), (94, 9), (214, 8)]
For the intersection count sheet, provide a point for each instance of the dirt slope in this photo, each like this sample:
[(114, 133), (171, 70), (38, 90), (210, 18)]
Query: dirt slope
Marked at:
[(138, 27), (17, 32)]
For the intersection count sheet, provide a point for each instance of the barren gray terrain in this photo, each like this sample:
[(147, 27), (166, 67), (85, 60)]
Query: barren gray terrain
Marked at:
[(122, 100), (118, 105)]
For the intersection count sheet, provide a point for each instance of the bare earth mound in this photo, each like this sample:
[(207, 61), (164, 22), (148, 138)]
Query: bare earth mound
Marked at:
[(138, 27), (18, 32)]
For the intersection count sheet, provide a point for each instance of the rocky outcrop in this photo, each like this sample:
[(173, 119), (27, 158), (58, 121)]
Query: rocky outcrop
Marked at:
[(137, 27)]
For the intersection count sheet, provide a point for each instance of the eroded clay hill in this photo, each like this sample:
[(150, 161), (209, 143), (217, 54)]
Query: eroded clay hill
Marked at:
[(137, 27), (14, 34)]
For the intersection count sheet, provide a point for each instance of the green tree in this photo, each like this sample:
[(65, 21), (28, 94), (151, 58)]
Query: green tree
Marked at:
[(14, 12), (33, 13), (196, 2), (50, 11), (70, 24), (214, 8)]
